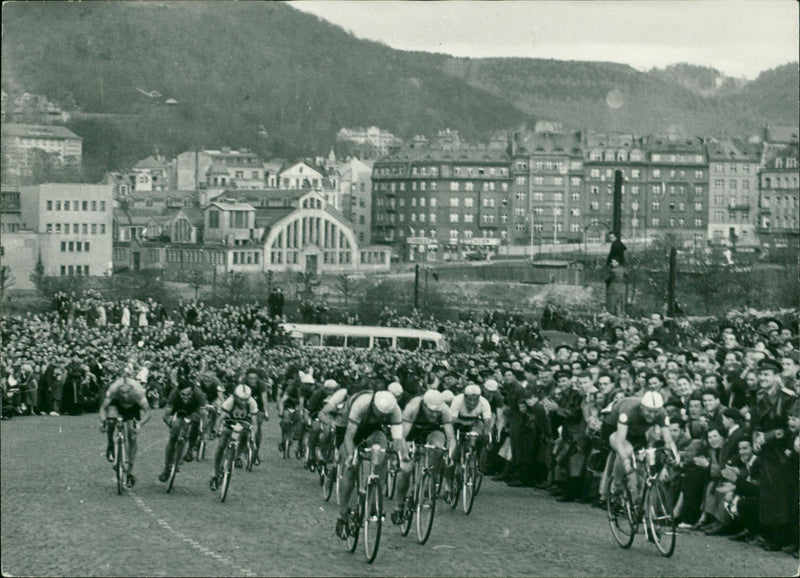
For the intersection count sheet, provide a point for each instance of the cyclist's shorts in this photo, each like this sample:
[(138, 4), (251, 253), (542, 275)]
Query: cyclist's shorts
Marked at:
[(339, 435), (375, 437), (434, 438), (115, 409)]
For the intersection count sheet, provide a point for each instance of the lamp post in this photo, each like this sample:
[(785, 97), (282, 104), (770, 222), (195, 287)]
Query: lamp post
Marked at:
[(530, 221)]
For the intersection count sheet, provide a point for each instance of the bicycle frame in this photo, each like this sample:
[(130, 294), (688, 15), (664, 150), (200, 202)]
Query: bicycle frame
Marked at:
[(121, 451)]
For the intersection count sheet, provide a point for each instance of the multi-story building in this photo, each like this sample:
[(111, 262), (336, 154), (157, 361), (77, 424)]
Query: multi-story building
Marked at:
[(677, 180), (21, 141), (355, 186), (603, 156), (732, 192), (374, 139), (778, 196), (10, 212), (151, 175), (548, 188), (442, 201), (213, 171), (73, 226)]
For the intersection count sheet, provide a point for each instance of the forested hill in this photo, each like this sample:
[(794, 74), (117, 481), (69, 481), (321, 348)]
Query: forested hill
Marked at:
[(265, 76)]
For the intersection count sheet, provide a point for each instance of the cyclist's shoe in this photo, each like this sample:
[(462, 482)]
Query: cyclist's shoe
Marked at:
[(131, 481), (341, 528), (163, 476), (239, 463), (188, 457), (213, 483), (397, 517), (256, 461), (110, 455)]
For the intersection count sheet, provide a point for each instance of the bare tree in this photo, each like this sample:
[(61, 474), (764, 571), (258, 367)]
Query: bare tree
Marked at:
[(7, 281), (347, 285), (195, 278)]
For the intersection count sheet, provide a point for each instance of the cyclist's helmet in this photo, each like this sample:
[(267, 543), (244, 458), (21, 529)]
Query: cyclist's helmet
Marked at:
[(395, 389), (472, 390), (242, 393), (652, 400), (433, 400), (384, 402), (330, 384), (447, 396), (491, 385)]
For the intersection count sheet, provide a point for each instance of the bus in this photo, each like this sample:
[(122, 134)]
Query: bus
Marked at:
[(364, 337)]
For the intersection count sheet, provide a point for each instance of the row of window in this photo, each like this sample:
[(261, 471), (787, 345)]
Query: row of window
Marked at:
[(680, 158), (76, 205), (732, 184), (777, 182), (77, 228), (189, 256), (656, 222), (788, 202), (619, 156), (732, 168), (245, 257), (74, 246), (74, 270)]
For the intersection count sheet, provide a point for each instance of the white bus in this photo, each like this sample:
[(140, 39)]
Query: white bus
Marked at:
[(364, 337)]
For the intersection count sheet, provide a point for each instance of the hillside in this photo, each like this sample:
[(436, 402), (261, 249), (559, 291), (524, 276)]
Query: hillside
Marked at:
[(242, 70)]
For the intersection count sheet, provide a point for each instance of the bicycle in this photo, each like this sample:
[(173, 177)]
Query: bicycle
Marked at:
[(181, 445), (420, 500), (654, 508), (122, 434), (237, 428), (328, 468), (466, 476), (366, 510), (392, 469)]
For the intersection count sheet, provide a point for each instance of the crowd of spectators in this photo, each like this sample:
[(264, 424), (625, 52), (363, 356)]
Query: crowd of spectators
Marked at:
[(730, 385)]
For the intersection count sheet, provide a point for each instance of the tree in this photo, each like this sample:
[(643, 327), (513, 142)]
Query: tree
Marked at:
[(7, 281), (309, 282), (38, 278), (233, 285), (347, 285), (195, 278)]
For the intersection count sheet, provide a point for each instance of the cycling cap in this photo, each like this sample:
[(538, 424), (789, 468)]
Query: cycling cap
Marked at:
[(242, 392), (491, 385), (330, 384), (395, 389), (306, 377), (447, 396), (384, 402), (433, 400), (652, 400), (472, 389)]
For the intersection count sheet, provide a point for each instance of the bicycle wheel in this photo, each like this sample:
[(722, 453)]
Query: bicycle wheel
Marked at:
[(354, 519), (173, 470), (119, 465), (659, 519), (426, 508), (468, 487), (455, 486), (478, 478), (328, 481), (373, 519), (409, 505), (622, 517), (227, 473), (251, 453)]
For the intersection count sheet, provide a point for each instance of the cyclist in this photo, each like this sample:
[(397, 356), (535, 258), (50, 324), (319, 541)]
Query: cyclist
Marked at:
[(125, 398), (472, 412), (334, 413), (315, 405), (294, 397), (259, 390), (426, 420), (634, 416), (190, 400), (241, 407), (367, 413)]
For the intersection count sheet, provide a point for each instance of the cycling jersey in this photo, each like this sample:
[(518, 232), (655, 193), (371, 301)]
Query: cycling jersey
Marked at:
[(336, 407), (316, 402), (237, 411), (363, 414), (628, 411), (128, 406), (195, 402), (482, 409), (422, 423), (292, 394)]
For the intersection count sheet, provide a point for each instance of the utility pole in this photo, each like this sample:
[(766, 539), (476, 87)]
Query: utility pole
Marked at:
[(616, 221), (672, 279), (416, 285)]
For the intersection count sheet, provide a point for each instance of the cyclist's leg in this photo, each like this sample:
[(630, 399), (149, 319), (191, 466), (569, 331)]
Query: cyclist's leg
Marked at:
[(221, 445), (169, 452), (131, 447), (623, 473), (346, 484), (438, 440), (194, 431), (259, 421), (313, 439), (111, 425)]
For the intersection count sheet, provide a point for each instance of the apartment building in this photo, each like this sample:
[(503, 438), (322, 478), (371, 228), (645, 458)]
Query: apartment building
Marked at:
[(778, 196), (21, 141)]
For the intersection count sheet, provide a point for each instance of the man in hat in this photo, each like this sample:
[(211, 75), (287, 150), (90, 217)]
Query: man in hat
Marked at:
[(771, 440)]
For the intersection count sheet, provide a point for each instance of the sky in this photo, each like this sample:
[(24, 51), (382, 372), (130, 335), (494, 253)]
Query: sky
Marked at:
[(741, 38)]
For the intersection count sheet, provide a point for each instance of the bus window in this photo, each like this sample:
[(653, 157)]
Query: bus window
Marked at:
[(311, 340), (427, 344), (408, 343), (333, 341), (358, 341), (383, 342)]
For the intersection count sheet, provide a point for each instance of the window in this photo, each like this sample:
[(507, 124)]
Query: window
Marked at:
[(698, 222), (538, 211), (85, 228), (63, 270), (74, 228), (520, 196), (635, 190), (732, 185), (575, 228), (656, 172), (575, 181), (102, 205), (488, 202), (636, 173), (85, 206), (66, 205), (575, 196), (78, 246), (63, 246), (213, 219), (453, 201), (538, 196), (49, 205), (595, 173), (453, 233), (71, 245), (432, 218), (49, 228), (594, 189), (468, 218), (594, 205), (655, 222), (453, 185), (102, 229), (745, 185), (238, 219), (698, 174), (94, 205), (86, 247), (558, 197), (58, 228), (698, 206), (469, 202), (575, 212), (75, 205), (656, 189), (58, 205), (719, 183), (656, 205), (454, 217)]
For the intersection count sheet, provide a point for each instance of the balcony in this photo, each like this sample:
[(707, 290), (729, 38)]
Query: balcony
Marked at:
[(739, 207)]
